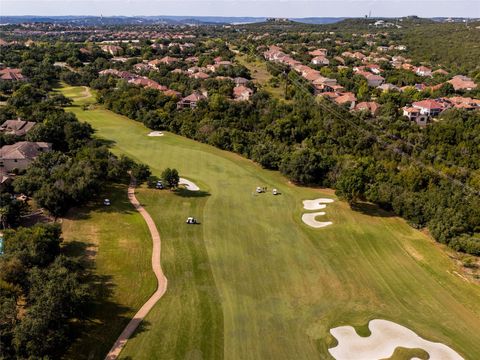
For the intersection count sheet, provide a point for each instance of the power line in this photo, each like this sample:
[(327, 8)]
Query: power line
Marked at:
[(381, 142)]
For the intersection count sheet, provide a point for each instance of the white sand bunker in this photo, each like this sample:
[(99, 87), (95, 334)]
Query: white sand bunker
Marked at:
[(188, 184), (309, 219), (156, 133), (385, 337), (316, 204)]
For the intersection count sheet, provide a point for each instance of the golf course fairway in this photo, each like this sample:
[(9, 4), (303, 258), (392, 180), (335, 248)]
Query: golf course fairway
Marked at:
[(252, 281)]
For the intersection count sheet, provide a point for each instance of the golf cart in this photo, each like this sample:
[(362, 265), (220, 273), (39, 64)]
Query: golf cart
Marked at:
[(191, 221), (107, 202), (275, 192), (159, 185), (259, 190)]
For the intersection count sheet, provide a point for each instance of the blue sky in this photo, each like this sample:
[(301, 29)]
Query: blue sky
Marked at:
[(279, 8)]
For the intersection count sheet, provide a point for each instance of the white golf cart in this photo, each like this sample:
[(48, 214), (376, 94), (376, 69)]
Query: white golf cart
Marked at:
[(191, 221), (275, 192), (107, 202), (259, 190)]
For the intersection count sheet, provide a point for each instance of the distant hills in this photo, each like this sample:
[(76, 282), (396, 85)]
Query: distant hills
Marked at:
[(150, 20), (166, 20)]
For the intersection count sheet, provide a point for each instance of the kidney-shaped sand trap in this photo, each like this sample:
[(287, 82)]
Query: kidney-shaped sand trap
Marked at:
[(316, 204), (156, 133), (385, 337), (188, 184), (309, 219)]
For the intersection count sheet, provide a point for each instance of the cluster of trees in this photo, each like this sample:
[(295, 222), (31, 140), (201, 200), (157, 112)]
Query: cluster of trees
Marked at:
[(78, 166), (57, 181), (42, 292)]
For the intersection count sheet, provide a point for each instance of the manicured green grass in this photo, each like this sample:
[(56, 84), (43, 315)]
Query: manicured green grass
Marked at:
[(117, 245), (81, 94), (254, 281)]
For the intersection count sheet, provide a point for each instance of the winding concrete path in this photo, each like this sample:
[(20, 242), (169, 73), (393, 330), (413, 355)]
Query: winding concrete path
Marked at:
[(157, 269)]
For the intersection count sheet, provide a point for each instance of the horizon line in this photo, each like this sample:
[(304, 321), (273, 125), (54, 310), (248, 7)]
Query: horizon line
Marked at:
[(246, 16)]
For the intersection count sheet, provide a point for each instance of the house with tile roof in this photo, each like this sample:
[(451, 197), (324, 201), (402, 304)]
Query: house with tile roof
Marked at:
[(16, 127), (461, 82), (21, 154), (191, 100)]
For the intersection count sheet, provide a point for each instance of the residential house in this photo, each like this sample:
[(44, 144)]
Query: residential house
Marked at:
[(407, 66), (372, 79), (461, 102), (423, 71), (242, 93), (323, 84), (388, 87), (358, 55), (320, 60), (414, 114), (191, 100), (318, 52), (146, 82), (168, 60), (429, 107), (112, 49), (141, 67), (374, 68), (240, 81), (347, 98), (199, 75), (21, 154), (461, 82), (193, 69), (16, 127), (371, 106), (9, 74)]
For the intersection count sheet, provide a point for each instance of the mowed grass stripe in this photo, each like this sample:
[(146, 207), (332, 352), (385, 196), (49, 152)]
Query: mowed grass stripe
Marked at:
[(282, 285)]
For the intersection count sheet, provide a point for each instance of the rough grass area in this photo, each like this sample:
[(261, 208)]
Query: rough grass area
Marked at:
[(253, 282), (116, 244), (261, 76)]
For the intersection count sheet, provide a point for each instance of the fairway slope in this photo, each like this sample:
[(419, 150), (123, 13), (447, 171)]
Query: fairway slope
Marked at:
[(254, 282)]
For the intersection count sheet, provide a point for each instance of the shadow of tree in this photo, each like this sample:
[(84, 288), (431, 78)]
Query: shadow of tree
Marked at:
[(105, 142), (104, 321), (190, 194), (371, 209)]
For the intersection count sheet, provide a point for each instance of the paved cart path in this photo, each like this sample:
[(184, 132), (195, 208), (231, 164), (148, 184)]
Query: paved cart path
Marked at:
[(157, 269)]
